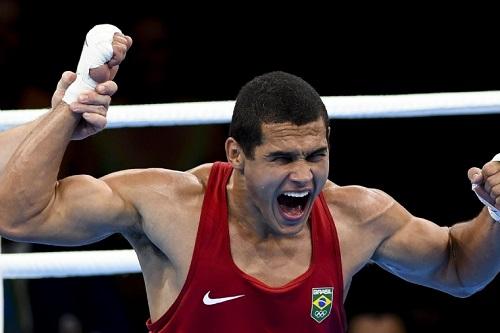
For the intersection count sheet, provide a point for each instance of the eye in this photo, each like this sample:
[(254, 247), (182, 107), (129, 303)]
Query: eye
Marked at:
[(282, 159), (316, 157)]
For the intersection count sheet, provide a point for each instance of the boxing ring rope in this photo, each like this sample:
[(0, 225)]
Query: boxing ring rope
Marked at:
[(87, 263), (341, 107), (67, 263)]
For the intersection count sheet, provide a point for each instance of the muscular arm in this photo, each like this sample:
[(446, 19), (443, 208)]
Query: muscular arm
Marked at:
[(38, 208), (35, 206), (459, 260), (476, 247), (28, 186)]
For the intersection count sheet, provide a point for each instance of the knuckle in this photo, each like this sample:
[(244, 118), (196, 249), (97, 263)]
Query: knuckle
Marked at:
[(87, 98), (102, 109), (495, 191), (122, 47), (103, 89), (101, 124), (487, 186), (490, 168)]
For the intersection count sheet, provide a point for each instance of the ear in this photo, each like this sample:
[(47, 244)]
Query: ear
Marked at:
[(235, 154)]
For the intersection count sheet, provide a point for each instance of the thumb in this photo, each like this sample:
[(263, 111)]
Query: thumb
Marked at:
[(66, 79), (475, 175)]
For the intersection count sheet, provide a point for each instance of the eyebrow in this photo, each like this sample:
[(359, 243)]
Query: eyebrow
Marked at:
[(295, 153)]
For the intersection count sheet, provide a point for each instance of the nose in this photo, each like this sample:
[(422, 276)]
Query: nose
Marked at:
[(301, 173)]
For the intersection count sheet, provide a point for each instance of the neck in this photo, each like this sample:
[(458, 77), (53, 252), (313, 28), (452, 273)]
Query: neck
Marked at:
[(244, 214), (242, 210)]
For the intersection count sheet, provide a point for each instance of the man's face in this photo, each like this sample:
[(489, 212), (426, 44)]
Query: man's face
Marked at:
[(289, 170)]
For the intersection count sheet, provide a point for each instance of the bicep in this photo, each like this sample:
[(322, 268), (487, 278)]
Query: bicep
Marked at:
[(83, 210), (416, 249)]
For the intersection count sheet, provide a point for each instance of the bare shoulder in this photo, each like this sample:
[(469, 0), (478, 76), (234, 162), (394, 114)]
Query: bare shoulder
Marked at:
[(202, 172), (361, 204), (144, 183), (364, 217)]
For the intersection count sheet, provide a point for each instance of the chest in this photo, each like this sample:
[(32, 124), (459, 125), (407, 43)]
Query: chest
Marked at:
[(273, 262)]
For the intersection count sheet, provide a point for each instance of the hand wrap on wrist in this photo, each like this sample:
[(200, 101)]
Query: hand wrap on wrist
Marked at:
[(97, 50)]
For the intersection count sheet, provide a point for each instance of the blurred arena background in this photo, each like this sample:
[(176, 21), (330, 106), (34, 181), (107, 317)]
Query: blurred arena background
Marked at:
[(195, 53)]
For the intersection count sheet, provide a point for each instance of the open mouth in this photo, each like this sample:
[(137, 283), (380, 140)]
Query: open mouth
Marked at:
[(293, 204)]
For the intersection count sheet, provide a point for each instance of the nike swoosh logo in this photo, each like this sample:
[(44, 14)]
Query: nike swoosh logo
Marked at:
[(212, 301)]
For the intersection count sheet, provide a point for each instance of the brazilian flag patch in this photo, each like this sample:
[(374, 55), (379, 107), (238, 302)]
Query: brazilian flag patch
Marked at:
[(321, 307)]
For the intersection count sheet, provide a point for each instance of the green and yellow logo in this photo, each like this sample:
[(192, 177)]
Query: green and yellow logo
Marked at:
[(322, 299)]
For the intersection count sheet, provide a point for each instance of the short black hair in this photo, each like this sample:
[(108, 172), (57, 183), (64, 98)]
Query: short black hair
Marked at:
[(275, 97)]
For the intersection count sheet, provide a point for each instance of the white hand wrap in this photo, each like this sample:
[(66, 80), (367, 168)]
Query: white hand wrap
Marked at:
[(97, 50), (486, 199)]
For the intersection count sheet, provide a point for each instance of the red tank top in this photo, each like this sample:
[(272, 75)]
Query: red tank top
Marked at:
[(218, 297)]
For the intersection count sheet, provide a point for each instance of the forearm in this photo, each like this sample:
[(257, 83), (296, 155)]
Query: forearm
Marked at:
[(28, 180), (11, 139), (476, 251)]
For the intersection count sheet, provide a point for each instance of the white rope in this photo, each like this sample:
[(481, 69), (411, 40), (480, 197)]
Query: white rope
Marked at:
[(84, 263), (198, 113), (66, 264)]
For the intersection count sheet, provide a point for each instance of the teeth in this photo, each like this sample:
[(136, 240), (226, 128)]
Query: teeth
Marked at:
[(296, 194)]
